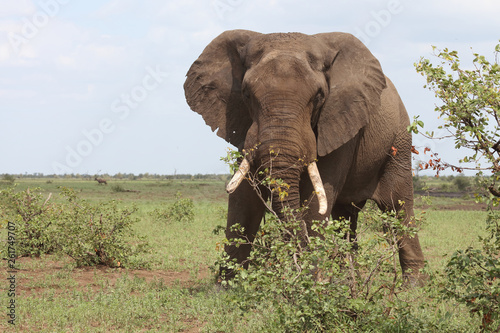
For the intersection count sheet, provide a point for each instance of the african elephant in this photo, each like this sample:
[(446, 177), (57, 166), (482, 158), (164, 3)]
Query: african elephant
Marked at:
[(321, 101)]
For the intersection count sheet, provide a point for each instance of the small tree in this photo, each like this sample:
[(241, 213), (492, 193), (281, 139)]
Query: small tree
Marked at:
[(462, 183), (471, 114), (470, 110)]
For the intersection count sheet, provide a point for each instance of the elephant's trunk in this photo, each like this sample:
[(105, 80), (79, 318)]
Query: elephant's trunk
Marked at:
[(312, 170), (284, 185), (282, 142)]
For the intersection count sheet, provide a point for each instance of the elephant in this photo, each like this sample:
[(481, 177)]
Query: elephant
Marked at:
[(324, 104)]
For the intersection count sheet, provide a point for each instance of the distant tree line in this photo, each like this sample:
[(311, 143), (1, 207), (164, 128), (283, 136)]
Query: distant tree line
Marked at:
[(420, 183), (449, 183), (118, 176)]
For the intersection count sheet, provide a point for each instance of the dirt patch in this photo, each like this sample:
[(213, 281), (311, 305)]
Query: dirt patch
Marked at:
[(38, 275)]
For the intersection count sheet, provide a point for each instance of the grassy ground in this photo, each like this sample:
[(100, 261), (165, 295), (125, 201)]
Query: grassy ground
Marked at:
[(178, 294)]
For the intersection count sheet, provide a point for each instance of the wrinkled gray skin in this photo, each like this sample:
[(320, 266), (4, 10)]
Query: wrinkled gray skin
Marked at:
[(317, 97)]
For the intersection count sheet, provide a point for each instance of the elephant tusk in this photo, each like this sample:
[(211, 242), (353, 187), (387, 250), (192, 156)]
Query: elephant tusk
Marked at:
[(238, 176), (312, 169)]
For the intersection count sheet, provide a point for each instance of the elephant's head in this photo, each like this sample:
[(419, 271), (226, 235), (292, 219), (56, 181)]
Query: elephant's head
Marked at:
[(301, 96)]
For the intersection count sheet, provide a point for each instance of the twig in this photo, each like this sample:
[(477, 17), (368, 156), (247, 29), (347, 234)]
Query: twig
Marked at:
[(48, 198)]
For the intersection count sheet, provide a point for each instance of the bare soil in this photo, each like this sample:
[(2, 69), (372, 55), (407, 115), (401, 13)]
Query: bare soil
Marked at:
[(46, 269)]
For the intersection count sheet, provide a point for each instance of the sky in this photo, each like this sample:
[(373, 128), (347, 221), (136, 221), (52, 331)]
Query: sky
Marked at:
[(91, 87)]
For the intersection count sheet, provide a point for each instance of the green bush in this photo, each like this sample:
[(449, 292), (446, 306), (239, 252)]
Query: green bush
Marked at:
[(182, 210), (419, 184), (473, 276), (35, 220), (9, 179), (117, 188), (327, 281), (462, 183), (99, 234), (91, 234), (323, 285)]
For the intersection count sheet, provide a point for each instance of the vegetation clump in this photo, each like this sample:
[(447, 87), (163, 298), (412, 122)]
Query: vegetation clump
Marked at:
[(331, 280), (118, 188), (182, 210), (35, 218), (91, 234), (9, 179), (99, 234), (324, 285)]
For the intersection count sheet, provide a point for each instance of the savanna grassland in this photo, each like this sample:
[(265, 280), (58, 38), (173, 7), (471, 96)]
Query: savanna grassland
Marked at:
[(175, 291)]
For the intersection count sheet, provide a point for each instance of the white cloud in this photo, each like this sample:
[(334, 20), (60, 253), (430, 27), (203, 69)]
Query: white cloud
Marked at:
[(466, 8), (105, 54), (112, 8), (10, 25), (5, 52), (17, 8), (30, 52), (66, 61), (17, 94), (157, 34)]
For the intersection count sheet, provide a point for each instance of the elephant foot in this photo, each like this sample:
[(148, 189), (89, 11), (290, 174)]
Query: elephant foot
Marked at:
[(220, 286), (223, 278), (415, 278)]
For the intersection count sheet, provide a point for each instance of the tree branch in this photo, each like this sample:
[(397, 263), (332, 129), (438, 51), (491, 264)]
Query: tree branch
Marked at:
[(493, 190)]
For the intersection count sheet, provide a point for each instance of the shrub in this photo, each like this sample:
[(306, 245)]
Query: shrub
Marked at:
[(99, 234), (90, 234), (419, 184), (35, 220), (462, 183), (182, 210), (117, 188), (9, 179), (325, 281), (473, 276), (323, 285)]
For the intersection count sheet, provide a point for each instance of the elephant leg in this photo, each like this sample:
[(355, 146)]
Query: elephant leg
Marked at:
[(246, 209), (411, 257), (349, 213), (395, 193)]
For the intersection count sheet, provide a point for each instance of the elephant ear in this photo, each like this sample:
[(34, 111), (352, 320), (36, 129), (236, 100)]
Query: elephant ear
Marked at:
[(213, 86), (355, 81)]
